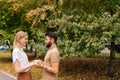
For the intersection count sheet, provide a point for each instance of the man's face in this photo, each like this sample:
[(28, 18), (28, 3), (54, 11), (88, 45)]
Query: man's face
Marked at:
[(48, 42)]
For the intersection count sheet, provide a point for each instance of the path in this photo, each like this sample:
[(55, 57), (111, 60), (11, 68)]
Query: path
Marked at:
[(6, 76)]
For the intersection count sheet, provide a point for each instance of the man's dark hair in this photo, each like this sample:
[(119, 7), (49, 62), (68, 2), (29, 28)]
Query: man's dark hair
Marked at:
[(52, 35)]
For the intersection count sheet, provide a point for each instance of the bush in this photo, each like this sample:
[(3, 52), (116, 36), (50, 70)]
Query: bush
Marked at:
[(88, 68)]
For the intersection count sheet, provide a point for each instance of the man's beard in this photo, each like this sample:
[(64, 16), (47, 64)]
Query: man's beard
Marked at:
[(48, 45)]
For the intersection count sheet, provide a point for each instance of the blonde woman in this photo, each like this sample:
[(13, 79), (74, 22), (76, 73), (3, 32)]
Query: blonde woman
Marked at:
[(20, 59)]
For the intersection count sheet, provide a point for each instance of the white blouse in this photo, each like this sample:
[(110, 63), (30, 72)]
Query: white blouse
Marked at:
[(19, 54)]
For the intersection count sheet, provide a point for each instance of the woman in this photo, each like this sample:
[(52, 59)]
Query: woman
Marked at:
[(20, 59)]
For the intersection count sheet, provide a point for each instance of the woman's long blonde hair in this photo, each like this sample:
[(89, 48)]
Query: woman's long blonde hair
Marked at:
[(18, 36)]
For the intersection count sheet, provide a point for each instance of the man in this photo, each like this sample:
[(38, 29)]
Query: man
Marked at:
[(51, 61)]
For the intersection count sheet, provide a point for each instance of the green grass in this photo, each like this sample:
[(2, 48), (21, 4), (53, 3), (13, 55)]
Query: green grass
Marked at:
[(5, 56), (106, 56), (7, 66)]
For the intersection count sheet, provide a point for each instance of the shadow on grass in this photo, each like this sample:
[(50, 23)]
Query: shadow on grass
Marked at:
[(6, 59)]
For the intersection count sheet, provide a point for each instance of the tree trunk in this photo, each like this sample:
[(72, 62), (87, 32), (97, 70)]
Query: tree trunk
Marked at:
[(31, 48), (112, 58), (35, 53), (11, 54)]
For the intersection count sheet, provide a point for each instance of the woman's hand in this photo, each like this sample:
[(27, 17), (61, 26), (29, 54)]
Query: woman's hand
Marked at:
[(39, 63), (32, 63)]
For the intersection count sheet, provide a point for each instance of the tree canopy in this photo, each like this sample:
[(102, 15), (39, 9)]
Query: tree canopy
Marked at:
[(81, 25)]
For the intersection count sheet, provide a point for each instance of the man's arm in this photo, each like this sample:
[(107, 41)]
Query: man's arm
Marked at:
[(53, 69)]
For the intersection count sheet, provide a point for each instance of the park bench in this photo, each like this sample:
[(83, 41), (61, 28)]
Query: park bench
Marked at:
[(6, 76)]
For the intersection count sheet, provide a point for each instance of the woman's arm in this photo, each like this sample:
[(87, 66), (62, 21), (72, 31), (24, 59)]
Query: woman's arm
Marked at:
[(19, 69)]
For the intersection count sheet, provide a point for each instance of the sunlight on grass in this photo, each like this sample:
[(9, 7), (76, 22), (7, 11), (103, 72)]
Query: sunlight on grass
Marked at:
[(7, 66), (106, 55), (5, 54)]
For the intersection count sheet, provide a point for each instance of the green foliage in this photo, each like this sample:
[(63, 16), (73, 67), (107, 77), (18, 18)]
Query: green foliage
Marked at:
[(82, 29), (88, 36), (37, 42)]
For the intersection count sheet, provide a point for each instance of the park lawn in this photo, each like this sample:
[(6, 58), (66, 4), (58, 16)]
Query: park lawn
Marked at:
[(70, 68), (7, 66)]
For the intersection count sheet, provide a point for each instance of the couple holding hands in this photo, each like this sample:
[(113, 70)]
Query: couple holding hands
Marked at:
[(50, 65)]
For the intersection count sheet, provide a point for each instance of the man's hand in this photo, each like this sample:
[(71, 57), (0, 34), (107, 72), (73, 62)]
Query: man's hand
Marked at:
[(39, 63)]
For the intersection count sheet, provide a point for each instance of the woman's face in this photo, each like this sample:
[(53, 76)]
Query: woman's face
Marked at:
[(23, 41)]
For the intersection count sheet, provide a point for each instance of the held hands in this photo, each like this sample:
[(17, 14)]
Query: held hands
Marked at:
[(32, 63), (39, 63)]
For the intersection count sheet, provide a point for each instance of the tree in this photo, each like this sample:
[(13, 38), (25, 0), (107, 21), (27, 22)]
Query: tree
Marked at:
[(83, 27)]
